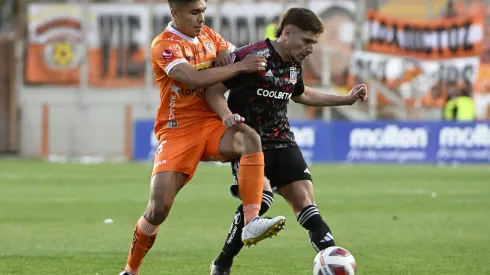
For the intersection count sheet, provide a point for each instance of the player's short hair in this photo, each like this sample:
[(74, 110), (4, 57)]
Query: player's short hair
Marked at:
[(302, 18), (179, 3)]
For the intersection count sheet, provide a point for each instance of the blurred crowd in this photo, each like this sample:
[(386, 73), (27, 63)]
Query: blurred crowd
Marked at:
[(436, 97)]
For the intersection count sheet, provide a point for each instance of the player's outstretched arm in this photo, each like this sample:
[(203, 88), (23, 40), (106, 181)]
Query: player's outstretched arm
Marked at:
[(311, 97), (215, 96), (194, 79)]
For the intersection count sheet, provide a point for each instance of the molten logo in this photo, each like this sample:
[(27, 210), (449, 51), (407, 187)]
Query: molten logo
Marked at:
[(391, 136), (468, 137)]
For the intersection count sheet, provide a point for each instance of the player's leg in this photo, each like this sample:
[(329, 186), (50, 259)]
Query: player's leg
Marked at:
[(294, 183), (233, 242), (243, 142), (299, 195), (164, 188), (171, 172)]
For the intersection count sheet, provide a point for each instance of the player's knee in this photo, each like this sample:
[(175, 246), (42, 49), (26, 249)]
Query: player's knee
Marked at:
[(164, 188), (250, 140), (157, 212), (267, 200)]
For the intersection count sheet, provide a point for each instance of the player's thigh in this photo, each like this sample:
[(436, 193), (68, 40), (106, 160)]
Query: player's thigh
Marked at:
[(291, 176), (214, 132), (234, 141), (178, 154), (286, 165)]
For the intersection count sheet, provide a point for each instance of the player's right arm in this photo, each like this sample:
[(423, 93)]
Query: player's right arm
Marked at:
[(169, 56)]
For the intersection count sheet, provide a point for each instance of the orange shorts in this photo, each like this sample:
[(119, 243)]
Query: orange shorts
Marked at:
[(181, 151)]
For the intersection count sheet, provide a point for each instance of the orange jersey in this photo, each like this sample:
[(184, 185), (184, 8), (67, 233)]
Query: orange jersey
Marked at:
[(182, 107)]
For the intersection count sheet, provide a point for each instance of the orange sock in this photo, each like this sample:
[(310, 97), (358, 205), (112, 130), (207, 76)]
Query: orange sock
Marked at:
[(143, 239), (251, 184)]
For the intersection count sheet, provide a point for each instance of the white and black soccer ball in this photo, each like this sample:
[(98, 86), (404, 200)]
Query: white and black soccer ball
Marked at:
[(334, 261)]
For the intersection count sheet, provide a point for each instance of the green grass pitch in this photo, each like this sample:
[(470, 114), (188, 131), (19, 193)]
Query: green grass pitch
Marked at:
[(394, 219)]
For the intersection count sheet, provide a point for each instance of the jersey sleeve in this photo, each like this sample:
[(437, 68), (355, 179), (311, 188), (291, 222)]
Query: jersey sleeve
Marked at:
[(299, 88), (241, 79), (167, 54), (220, 43)]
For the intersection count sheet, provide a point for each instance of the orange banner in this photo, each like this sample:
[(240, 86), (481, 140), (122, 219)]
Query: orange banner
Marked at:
[(116, 43), (435, 39)]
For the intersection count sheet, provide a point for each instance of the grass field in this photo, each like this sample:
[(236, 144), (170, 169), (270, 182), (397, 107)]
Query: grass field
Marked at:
[(394, 219)]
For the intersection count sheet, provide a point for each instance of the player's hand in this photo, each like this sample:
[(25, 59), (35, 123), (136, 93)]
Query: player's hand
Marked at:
[(233, 120), (223, 58), (253, 63), (359, 92)]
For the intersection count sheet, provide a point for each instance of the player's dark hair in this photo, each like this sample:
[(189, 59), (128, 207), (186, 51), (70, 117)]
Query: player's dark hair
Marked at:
[(179, 3), (302, 18)]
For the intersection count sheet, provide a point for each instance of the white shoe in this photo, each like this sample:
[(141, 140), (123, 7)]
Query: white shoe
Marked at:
[(259, 229)]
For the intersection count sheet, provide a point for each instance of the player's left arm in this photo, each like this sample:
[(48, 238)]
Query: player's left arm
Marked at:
[(215, 97), (311, 97)]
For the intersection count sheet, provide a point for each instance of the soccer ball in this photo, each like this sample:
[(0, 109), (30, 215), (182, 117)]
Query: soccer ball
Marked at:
[(334, 261)]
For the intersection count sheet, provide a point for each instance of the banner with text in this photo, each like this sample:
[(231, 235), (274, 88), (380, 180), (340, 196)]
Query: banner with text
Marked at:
[(387, 68), (118, 37), (441, 38), (370, 142)]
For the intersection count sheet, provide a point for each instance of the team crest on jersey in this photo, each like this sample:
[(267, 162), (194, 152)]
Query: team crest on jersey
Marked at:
[(293, 75), (209, 46), (167, 54)]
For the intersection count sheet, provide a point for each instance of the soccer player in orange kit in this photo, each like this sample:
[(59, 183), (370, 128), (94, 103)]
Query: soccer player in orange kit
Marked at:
[(189, 131)]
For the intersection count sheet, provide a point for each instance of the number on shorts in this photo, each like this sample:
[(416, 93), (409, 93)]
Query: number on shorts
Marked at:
[(160, 147)]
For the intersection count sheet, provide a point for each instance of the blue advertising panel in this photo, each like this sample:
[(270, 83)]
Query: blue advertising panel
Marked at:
[(410, 142), (370, 142), (144, 141), (380, 142), (313, 139)]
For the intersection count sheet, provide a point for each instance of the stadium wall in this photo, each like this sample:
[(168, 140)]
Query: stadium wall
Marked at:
[(81, 124)]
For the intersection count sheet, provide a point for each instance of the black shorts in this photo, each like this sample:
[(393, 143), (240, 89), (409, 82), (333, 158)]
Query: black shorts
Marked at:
[(282, 167)]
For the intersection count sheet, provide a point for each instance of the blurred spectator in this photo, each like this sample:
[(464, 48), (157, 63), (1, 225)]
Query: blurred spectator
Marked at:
[(460, 106), (450, 10), (465, 106), (341, 81), (270, 30), (450, 105)]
